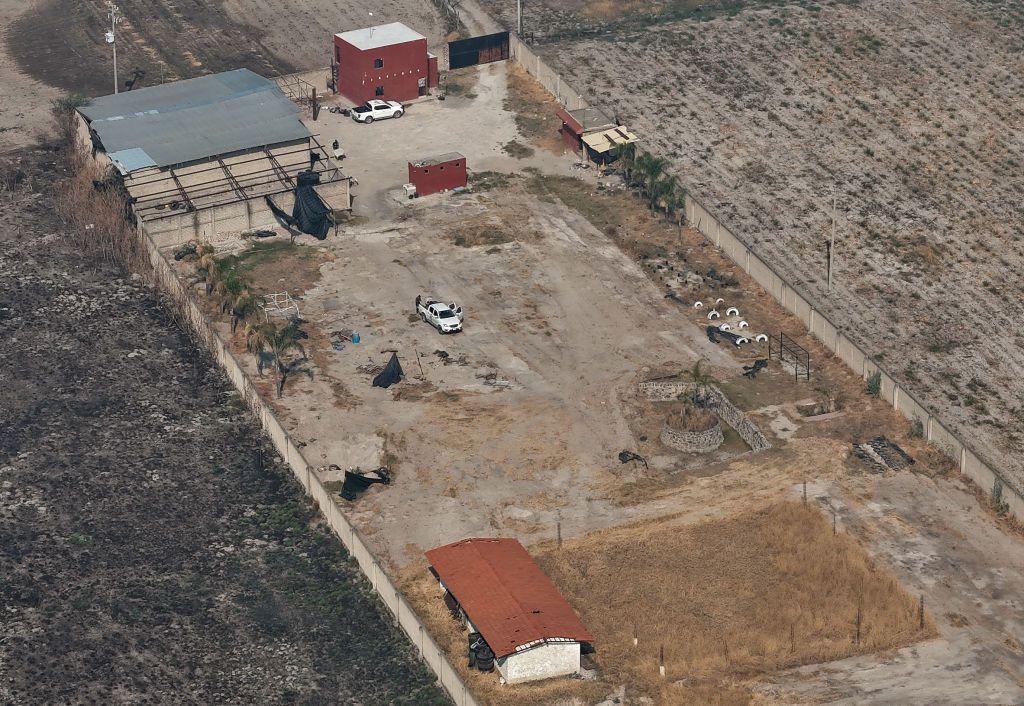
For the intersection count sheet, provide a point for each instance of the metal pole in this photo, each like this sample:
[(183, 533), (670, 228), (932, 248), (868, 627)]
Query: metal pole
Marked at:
[(113, 41), (519, 17)]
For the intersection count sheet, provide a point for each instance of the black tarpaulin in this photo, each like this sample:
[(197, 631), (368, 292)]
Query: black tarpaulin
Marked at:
[(391, 373), (310, 214)]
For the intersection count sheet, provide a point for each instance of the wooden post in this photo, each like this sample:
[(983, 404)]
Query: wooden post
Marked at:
[(805, 492), (636, 636), (920, 612), (859, 619), (661, 660), (558, 533), (833, 523)]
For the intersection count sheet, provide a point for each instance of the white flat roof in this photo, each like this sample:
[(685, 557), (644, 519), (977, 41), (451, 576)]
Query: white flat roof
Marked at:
[(380, 36)]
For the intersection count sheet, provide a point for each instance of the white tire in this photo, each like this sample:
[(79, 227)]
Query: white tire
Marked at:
[(719, 301), (761, 338), (743, 324), (698, 305), (724, 327), (741, 340), (732, 311), (713, 315)]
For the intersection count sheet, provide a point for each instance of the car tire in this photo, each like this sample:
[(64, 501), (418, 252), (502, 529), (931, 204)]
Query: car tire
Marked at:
[(368, 120), (399, 113)]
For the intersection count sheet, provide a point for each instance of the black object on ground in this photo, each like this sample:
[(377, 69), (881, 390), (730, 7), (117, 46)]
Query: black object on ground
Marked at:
[(391, 373), (357, 481), (480, 654), (883, 453), (627, 456), (309, 214), (751, 371), (712, 332)]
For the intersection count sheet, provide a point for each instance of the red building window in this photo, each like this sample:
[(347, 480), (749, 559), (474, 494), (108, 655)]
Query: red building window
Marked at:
[(378, 63)]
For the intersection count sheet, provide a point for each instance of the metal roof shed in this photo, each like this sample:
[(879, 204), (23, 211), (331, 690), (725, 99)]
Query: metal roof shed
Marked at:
[(187, 121), (532, 629)]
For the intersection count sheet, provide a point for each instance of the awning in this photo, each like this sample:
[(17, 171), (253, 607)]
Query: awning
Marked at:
[(607, 140)]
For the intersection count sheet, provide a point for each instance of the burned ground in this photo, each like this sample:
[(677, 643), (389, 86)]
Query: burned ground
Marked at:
[(62, 44), (148, 554)]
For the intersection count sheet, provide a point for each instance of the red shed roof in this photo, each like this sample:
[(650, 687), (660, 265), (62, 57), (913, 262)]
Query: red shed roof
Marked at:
[(505, 594)]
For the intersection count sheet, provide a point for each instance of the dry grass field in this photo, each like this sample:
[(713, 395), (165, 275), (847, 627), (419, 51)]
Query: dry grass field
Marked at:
[(728, 600), (909, 110)]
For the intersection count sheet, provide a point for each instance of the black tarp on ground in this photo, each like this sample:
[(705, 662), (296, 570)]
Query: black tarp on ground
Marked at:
[(310, 214), (391, 373)]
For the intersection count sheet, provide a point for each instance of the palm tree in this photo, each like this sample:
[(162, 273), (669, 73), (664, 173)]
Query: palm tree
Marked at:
[(243, 305), (207, 266), (700, 380), (659, 191), (651, 170), (626, 154), (277, 342)]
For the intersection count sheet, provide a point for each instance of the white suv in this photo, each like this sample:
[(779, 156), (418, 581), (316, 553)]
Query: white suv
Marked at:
[(376, 110)]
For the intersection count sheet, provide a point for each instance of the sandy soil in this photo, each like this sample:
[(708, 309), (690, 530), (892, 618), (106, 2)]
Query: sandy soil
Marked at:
[(911, 111)]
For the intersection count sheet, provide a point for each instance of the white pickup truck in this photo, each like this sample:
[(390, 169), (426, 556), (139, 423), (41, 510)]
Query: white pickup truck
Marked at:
[(376, 110), (446, 318)]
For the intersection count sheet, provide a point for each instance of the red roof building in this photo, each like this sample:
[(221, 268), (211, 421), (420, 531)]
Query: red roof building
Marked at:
[(532, 629), (387, 62)]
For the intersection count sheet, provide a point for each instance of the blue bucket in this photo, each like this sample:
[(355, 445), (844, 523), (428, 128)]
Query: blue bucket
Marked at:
[(355, 337)]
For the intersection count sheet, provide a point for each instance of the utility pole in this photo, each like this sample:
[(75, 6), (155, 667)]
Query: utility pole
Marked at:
[(832, 241), (519, 18), (112, 39)]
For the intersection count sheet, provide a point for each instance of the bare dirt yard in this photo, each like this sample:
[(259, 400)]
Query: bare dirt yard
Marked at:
[(154, 549), (514, 427), (910, 111)]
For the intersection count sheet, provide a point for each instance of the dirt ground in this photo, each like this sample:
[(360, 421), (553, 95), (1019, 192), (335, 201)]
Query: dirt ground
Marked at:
[(513, 426), (149, 555), (909, 111)]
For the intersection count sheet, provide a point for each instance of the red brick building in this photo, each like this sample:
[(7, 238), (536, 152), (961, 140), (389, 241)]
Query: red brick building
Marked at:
[(389, 62), (438, 173)]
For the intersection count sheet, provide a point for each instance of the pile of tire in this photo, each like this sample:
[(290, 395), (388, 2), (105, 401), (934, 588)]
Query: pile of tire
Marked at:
[(480, 655)]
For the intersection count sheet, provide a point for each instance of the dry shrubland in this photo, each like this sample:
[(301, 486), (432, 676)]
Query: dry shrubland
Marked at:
[(728, 599)]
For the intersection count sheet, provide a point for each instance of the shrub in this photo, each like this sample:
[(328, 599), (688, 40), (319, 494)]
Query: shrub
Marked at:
[(998, 503), (874, 384), (690, 417)]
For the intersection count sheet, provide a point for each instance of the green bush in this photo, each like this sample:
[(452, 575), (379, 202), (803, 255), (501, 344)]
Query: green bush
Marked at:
[(874, 384)]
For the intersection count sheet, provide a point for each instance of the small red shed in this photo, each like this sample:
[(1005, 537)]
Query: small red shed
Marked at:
[(388, 62), (436, 174)]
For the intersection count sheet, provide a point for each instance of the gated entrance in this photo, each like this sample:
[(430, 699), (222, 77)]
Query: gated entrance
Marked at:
[(477, 50)]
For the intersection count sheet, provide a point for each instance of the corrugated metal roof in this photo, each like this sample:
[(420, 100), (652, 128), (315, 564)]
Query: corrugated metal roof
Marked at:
[(380, 36), (505, 594), (440, 159), (196, 118), (606, 140)]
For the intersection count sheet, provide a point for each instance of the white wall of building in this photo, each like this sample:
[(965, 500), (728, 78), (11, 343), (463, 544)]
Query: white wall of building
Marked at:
[(552, 659)]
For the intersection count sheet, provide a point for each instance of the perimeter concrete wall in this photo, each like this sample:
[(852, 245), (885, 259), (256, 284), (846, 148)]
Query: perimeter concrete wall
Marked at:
[(405, 615), (800, 304)]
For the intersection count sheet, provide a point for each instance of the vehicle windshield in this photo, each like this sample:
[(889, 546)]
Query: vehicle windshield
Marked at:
[(446, 314)]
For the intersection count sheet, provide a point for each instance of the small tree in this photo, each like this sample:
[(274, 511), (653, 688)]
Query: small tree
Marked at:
[(998, 503), (242, 307), (874, 384), (626, 155), (701, 380), (277, 343)]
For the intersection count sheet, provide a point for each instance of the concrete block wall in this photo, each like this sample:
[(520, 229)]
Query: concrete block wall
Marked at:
[(403, 612), (830, 335)]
